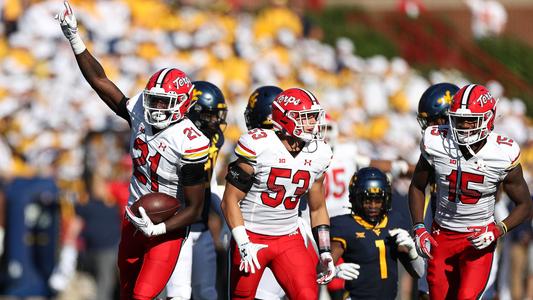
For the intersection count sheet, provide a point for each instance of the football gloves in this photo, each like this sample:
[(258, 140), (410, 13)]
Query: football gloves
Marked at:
[(484, 235), (403, 238), (347, 271), (248, 250), (423, 240), (144, 223), (69, 26), (326, 264)]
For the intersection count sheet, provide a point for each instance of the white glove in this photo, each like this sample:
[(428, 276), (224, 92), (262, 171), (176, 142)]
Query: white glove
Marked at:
[(403, 238), (69, 25), (347, 271), (484, 236), (247, 249), (144, 223), (326, 262)]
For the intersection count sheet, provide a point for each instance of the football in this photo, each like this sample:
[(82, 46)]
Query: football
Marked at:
[(158, 206)]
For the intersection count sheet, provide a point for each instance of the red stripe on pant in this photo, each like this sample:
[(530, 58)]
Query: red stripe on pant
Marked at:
[(457, 270), (291, 262), (145, 264)]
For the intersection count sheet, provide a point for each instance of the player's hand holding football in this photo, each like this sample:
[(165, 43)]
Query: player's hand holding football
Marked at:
[(247, 249), (326, 263), (403, 238), (423, 240), (144, 223), (347, 271), (485, 235), (69, 25)]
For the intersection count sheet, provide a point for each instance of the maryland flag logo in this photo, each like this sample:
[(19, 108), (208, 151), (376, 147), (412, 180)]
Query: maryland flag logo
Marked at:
[(253, 100)]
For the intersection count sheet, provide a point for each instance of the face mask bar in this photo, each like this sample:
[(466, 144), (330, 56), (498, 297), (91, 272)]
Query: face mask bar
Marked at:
[(473, 135), (312, 118), (160, 107)]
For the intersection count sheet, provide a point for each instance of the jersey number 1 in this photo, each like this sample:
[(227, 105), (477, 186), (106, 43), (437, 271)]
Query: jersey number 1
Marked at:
[(279, 189), (142, 146)]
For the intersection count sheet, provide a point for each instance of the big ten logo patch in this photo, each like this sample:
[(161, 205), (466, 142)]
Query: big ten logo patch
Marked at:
[(288, 100)]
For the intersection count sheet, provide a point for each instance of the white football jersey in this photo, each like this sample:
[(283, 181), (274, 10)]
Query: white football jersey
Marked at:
[(158, 157), (466, 189), (337, 180), (271, 205)]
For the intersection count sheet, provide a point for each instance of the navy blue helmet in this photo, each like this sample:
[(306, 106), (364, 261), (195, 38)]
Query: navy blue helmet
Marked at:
[(209, 108), (258, 113), (370, 184), (435, 103)]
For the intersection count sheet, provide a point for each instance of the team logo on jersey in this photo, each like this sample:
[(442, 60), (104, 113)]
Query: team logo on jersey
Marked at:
[(161, 146), (360, 235)]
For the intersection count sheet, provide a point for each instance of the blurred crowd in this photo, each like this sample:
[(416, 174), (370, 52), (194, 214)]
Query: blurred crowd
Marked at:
[(53, 126)]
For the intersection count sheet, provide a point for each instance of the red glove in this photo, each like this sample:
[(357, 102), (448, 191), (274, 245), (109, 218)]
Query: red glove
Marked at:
[(423, 240)]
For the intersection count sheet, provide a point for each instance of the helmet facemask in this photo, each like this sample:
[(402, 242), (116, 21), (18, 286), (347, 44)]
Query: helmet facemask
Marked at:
[(163, 108), (310, 124), (468, 136)]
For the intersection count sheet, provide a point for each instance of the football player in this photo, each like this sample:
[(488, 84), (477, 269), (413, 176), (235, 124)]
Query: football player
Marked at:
[(433, 109), (469, 162), (263, 189), (168, 153), (370, 242), (197, 263)]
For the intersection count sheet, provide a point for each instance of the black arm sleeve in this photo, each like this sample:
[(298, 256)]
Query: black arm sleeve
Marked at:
[(193, 174), (239, 178), (122, 110)]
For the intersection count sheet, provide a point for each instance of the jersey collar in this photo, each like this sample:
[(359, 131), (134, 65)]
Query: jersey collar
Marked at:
[(382, 224)]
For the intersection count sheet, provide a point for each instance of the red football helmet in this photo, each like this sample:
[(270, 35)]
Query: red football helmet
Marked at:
[(167, 97), (297, 112), (475, 105)]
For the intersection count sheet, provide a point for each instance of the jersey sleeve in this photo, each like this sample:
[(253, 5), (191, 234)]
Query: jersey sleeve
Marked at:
[(196, 150), (337, 230), (512, 150), (246, 149), (426, 143)]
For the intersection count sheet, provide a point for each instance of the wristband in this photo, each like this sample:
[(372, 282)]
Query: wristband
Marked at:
[(240, 235), (418, 226), (77, 44), (321, 236)]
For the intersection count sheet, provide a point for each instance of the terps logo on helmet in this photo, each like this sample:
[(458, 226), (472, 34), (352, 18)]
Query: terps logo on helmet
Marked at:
[(288, 99), (484, 99), (182, 81)]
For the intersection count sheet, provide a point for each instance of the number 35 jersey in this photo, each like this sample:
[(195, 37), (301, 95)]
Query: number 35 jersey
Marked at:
[(158, 157), (271, 205), (466, 188)]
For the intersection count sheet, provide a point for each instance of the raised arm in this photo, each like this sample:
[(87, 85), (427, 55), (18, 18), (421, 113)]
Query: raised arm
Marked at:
[(89, 66)]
